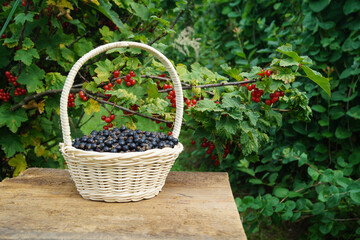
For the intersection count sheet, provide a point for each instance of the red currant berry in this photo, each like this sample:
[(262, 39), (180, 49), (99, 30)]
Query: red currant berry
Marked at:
[(193, 142), (165, 86), (3, 36), (213, 157), (110, 85), (7, 74), (108, 120), (132, 73), (188, 101), (276, 94), (105, 127), (128, 84), (110, 125), (217, 163), (106, 87), (169, 133), (116, 74), (194, 101), (85, 98), (132, 81), (249, 88), (118, 81), (112, 117), (281, 93), (208, 151), (268, 102), (274, 99), (81, 94), (103, 117), (212, 147)]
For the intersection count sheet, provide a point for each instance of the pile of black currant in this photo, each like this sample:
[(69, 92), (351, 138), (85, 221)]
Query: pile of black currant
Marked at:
[(123, 140)]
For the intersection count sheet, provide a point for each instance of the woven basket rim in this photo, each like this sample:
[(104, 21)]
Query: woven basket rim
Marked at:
[(65, 149)]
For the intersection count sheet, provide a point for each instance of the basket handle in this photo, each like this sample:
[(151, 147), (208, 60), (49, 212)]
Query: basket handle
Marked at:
[(74, 70)]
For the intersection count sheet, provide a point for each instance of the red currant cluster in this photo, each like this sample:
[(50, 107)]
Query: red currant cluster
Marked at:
[(190, 103), (82, 95), (132, 107), (4, 96), (129, 79), (108, 120), (111, 25), (274, 97), (210, 145), (265, 73), (108, 86), (171, 96), (256, 94), (71, 100), (116, 75), (11, 78), (23, 2), (19, 91)]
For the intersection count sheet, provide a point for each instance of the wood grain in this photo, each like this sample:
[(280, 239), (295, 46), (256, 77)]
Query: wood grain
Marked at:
[(44, 204)]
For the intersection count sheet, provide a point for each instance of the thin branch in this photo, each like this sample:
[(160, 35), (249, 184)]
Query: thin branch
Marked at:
[(78, 39), (39, 96), (81, 117), (133, 112)]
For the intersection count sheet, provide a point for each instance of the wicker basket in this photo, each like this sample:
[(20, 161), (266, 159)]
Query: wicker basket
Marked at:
[(119, 177)]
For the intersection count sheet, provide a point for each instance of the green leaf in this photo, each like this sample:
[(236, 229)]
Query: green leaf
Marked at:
[(313, 173), (288, 62), (355, 196), (152, 89), (318, 5), (354, 112), (10, 143), (318, 208), (19, 162), (31, 76), (231, 102), (206, 105), (325, 228), (54, 80), (67, 54), (280, 192), (26, 56), (318, 108), (342, 133), (284, 74), (27, 44), (21, 18), (140, 10), (105, 8), (92, 106), (12, 119), (255, 181), (103, 71), (83, 46), (287, 50), (227, 125), (337, 112), (318, 79), (351, 6)]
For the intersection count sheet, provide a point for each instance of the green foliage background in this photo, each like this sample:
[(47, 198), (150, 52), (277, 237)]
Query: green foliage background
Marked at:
[(301, 173)]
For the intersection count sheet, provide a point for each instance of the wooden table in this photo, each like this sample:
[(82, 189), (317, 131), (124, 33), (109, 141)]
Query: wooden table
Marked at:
[(44, 204)]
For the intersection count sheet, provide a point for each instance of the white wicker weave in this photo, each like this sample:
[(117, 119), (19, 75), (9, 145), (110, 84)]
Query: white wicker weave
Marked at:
[(119, 177)]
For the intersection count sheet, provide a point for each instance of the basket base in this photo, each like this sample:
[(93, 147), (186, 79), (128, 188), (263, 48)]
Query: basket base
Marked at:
[(120, 197)]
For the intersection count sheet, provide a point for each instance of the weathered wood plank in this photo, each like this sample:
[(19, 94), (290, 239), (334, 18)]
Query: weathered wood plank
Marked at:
[(44, 204)]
